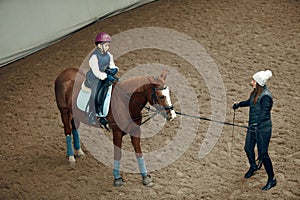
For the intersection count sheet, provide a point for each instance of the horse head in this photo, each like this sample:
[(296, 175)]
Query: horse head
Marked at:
[(160, 97)]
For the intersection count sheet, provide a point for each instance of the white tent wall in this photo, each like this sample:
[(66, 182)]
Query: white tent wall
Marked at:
[(27, 26)]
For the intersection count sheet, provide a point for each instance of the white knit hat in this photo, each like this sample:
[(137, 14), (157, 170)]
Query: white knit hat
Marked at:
[(261, 77)]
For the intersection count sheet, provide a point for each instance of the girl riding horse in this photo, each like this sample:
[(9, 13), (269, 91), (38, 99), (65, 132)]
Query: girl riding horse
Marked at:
[(128, 99)]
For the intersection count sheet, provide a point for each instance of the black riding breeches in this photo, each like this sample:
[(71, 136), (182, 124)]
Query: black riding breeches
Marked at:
[(249, 147), (262, 139)]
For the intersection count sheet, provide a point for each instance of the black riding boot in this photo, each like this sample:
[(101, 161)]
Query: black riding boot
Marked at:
[(269, 169), (92, 118), (103, 121), (100, 97), (271, 183), (253, 166)]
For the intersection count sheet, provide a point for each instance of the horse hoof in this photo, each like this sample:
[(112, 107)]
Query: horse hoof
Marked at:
[(118, 182), (72, 160), (147, 181), (80, 153)]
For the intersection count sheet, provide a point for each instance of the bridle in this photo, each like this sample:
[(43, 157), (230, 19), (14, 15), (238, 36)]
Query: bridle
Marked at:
[(155, 101), (155, 98)]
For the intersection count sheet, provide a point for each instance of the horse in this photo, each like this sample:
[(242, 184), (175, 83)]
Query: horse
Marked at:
[(128, 98)]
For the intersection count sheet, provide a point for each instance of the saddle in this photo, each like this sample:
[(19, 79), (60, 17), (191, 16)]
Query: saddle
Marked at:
[(102, 99)]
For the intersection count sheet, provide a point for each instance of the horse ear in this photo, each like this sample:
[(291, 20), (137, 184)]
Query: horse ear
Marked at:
[(164, 74), (155, 80), (161, 79)]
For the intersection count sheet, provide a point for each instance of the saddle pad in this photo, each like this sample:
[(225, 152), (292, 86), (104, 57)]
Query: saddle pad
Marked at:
[(83, 100)]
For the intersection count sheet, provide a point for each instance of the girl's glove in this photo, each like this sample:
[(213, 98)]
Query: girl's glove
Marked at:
[(112, 71), (112, 78)]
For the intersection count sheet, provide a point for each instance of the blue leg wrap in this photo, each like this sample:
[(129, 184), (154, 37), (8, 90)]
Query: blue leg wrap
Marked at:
[(142, 166), (70, 151), (76, 139), (116, 170)]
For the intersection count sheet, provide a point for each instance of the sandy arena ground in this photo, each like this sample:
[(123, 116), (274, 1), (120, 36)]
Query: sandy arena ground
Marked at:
[(242, 37)]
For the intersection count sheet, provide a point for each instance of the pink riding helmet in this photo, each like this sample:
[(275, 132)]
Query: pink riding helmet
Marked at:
[(102, 37)]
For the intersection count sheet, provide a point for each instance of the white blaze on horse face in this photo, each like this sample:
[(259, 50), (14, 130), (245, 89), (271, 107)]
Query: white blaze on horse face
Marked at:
[(166, 93)]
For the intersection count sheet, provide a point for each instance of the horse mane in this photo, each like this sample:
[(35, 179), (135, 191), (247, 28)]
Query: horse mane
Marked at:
[(136, 84)]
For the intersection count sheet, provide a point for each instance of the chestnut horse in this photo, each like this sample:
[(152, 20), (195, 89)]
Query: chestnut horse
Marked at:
[(128, 99)]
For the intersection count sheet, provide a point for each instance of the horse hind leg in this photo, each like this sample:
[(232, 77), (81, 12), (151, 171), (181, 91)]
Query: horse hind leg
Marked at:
[(70, 151), (65, 116), (76, 139)]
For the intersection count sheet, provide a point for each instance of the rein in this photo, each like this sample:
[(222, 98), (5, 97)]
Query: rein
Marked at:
[(207, 119), (221, 122), (155, 112)]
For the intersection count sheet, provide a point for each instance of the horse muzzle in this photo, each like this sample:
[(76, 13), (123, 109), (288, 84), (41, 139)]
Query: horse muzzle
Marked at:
[(171, 115), (168, 113)]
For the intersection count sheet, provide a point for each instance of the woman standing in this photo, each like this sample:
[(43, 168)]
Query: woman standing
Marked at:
[(260, 125)]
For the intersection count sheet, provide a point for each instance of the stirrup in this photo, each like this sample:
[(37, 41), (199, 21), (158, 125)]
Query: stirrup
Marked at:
[(103, 123)]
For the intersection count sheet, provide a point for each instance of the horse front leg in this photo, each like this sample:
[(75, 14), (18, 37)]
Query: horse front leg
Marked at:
[(117, 140), (136, 142)]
